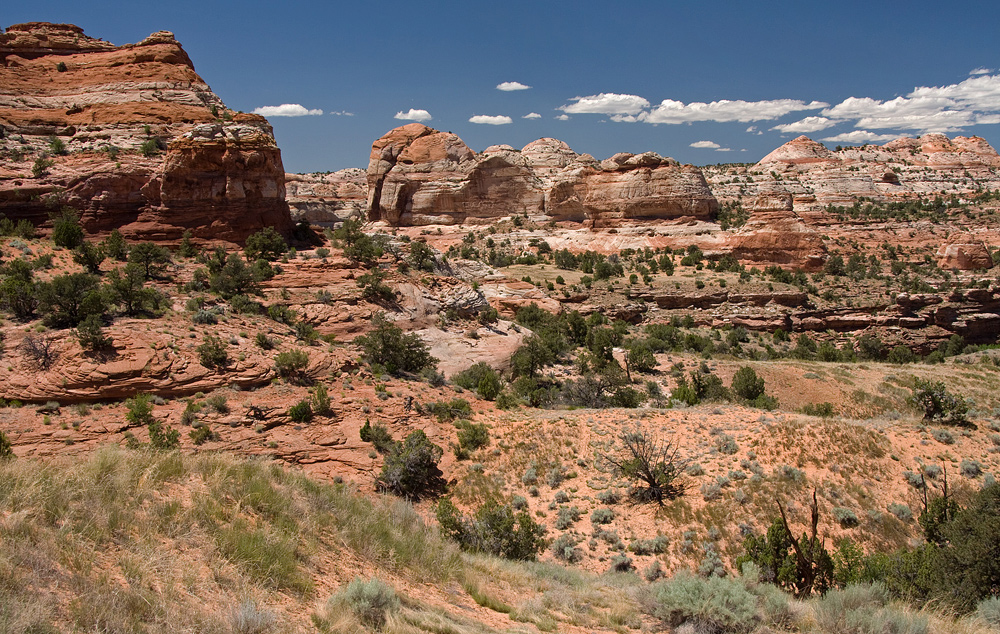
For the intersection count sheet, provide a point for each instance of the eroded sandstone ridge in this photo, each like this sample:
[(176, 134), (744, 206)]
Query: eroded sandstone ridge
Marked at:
[(418, 176), (131, 137), (900, 170)]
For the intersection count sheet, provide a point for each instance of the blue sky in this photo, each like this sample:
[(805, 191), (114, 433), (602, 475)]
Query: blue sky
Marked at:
[(687, 79)]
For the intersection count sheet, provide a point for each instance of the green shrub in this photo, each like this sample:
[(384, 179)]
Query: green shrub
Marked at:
[(218, 402), (747, 385), (321, 400), (411, 468), (472, 436), (213, 353), (602, 516), (378, 435), (201, 434), (89, 256), (654, 546), (397, 352), (115, 246), (566, 517), (6, 448), (152, 257), (205, 317), (90, 334), (41, 166), (163, 437), (845, 517), (266, 244), (291, 364), (714, 605), (901, 511), (480, 377), (564, 548), (263, 341), (69, 299), (66, 229), (495, 529), (140, 410), (301, 412), (938, 404)]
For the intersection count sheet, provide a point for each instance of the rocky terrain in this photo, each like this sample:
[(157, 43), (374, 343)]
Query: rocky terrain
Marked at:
[(130, 137), (202, 438)]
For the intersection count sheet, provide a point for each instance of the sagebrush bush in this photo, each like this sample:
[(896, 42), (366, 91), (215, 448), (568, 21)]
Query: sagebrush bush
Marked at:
[(566, 517), (846, 517), (564, 548), (602, 516), (989, 611), (715, 604), (865, 609), (901, 511), (370, 601)]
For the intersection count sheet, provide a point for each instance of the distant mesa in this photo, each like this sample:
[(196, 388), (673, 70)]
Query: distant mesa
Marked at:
[(138, 141)]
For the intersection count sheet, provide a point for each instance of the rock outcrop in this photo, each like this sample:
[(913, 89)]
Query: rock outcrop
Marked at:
[(131, 137), (775, 234), (326, 199), (418, 175), (964, 253)]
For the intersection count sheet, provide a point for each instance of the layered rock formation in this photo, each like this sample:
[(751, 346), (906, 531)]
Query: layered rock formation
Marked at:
[(964, 253), (326, 199), (899, 170), (418, 175), (130, 136), (775, 234)]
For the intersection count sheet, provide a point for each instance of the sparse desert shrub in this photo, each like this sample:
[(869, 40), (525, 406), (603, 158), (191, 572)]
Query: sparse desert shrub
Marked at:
[(205, 317), (621, 563), (90, 334), (651, 463), (845, 517), (266, 244), (653, 572), (389, 347), (602, 516), (249, 618), (609, 497), (218, 403), (370, 601), (321, 400), (530, 476), (301, 412), (291, 364), (989, 611), (694, 469), (555, 476), (495, 529), (970, 468), (943, 436), (378, 435), (263, 341), (411, 468), (564, 548), (6, 448), (901, 511), (711, 491), (785, 472), (561, 497), (726, 444), (654, 546), (938, 404), (213, 352), (714, 604), (201, 434), (865, 609), (566, 517)]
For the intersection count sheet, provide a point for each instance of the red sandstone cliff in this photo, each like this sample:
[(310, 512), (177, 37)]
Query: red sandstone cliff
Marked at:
[(136, 139)]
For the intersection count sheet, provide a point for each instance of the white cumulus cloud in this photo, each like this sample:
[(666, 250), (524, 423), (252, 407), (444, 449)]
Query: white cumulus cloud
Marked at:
[(508, 86), (413, 115), (861, 136), (928, 108), (286, 110), (562, 117), (491, 119), (607, 103), (708, 145), (809, 124), (532, 115), (981, 71), (671, 111)]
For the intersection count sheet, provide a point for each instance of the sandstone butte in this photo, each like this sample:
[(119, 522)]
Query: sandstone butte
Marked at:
[(418, 176), (137, 139)]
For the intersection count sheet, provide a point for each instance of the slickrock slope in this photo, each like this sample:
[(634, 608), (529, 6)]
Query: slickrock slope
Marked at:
[(899, 170), (136, 139), (417, 176)]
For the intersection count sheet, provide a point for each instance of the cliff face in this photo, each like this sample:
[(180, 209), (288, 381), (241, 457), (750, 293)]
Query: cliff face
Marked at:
[(131, 137), (417, 175)]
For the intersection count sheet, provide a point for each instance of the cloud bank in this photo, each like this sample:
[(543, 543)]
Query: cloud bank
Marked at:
[(413, 115), (286, 110)]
